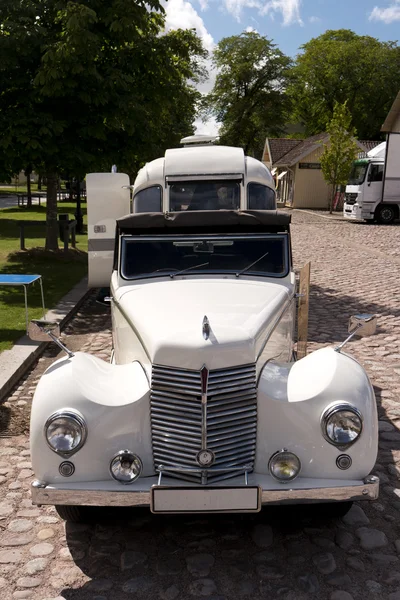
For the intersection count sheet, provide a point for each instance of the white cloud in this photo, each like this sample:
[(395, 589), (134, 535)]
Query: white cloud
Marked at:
[(209, 127), (314, 19), (203, 4), (387, 15), (288, 9), (180, 14)]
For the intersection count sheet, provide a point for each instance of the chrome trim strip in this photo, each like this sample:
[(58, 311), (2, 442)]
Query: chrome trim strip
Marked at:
[(366, 490)]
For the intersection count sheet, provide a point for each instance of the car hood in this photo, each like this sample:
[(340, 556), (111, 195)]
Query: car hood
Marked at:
[(168, 318)]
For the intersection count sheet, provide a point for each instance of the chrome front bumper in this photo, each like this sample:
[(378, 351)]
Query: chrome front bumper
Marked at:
[(300, 491)]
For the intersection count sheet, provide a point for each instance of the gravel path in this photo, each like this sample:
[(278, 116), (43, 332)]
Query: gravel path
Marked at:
[(285, 553)]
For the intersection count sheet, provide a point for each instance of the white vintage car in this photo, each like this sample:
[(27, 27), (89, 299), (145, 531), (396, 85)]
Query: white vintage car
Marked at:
[(204, 407)]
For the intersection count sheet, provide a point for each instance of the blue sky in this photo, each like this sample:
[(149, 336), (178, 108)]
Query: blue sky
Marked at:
[(290, 23)]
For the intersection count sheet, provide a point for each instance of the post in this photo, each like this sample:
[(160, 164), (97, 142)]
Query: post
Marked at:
[(78, 214), (65, 225), (302, 313), (73, 234), (21, 236)]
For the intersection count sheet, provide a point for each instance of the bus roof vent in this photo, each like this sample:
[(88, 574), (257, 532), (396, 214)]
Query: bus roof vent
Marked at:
[(199, 140)]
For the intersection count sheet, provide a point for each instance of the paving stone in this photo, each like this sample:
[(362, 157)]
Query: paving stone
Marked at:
[(170, 593), (344, 539), (383, 559), (308, 583), (200, 564), (340, 595), (42, 549), (324, 543), (100, 585), (20, 525), (138, 585), (36, 565), (45, 534), (324, 562), (3, 583), (10, 556), (338, 579), (262, 536), (29, 582), (6, 509), (269, 572), (356, 564), (373, 587), (22, 594), (355, 516), (130, 559), (202, 587), (13, 539), (394, 595), (371, 538), (29, 512), (169, 566)]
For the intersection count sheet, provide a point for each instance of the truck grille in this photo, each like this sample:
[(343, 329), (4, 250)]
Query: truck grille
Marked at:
[(176, 421), (350, 198)]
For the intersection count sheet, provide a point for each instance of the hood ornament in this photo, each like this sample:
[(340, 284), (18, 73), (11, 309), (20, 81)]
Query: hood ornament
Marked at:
[(206, 328)]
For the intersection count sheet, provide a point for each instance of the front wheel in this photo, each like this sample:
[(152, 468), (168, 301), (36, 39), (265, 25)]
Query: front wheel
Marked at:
[(385, 214), (73, 514)]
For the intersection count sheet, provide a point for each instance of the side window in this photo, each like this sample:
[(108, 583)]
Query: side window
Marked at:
[(376, 173), (148, 200), (260, 197)]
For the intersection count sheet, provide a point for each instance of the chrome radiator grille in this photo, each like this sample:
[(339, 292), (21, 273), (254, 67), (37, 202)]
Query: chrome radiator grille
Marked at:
[(177, 421)]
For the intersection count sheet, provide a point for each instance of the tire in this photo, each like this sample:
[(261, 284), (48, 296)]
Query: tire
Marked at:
[(74, 514), (385, 214)]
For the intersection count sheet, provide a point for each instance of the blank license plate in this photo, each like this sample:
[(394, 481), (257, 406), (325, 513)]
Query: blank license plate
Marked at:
[(205, 500)]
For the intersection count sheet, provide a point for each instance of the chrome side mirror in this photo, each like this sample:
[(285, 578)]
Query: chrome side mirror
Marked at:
[(362, 325), (39, 330)]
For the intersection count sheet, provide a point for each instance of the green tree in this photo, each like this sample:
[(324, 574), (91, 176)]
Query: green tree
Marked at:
[(248, 97), (89, 83), (341, 150), (341, 65)]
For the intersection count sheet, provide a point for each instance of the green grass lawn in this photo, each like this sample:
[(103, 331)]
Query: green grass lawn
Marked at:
[(59, 272), (8, 190)]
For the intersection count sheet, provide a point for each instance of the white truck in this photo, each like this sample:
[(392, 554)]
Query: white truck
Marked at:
[(373, 190)]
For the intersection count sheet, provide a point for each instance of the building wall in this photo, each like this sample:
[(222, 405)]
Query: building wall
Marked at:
[(310, 188)]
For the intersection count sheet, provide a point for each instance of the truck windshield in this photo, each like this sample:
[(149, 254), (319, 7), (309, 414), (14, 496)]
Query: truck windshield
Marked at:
[(358, 173), (157, 256), (204, 195)]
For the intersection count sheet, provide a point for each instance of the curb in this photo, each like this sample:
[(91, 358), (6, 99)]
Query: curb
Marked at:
[(38, 349)]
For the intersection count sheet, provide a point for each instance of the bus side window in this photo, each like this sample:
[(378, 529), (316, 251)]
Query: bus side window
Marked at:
[(148, 200), (260, 197)]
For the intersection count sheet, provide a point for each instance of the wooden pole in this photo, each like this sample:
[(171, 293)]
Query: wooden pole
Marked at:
[(302, 313)]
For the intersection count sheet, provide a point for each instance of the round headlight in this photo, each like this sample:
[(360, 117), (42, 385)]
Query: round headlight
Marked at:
[(126, 467), (342, 424), (284, 466), (65, 432)]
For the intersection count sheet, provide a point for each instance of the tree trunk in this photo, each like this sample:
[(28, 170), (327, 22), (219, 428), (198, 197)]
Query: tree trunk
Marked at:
[(78, 214), (39, 183), (51, 212), (331, 199), (28, 187)]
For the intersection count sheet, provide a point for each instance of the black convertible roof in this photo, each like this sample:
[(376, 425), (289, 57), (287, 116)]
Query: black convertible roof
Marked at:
[(205, 221)]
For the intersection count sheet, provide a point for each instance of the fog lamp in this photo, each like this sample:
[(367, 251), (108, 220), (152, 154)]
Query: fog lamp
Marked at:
[(284, 466), (126, 467), (65, 431)]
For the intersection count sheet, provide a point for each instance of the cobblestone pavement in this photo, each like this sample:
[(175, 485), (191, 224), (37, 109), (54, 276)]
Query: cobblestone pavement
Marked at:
[(286, 553)]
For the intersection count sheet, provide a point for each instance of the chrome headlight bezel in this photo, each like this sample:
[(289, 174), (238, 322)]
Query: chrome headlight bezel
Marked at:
[(276, 456), (78, 419), (134, 458), (332, 410)]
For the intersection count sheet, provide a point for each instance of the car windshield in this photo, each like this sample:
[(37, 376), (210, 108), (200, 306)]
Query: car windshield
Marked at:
[(204, 195), (357, 174), (157, 256)]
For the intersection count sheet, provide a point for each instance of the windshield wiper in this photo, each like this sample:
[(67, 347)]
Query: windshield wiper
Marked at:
[(251, 265), (172, 275)]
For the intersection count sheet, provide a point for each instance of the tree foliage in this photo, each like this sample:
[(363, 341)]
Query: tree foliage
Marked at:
[(340, 66), (341, 150), (90, 83), (248, 97)]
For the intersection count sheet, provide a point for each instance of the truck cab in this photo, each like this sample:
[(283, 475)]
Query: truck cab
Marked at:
[(373, 189)]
